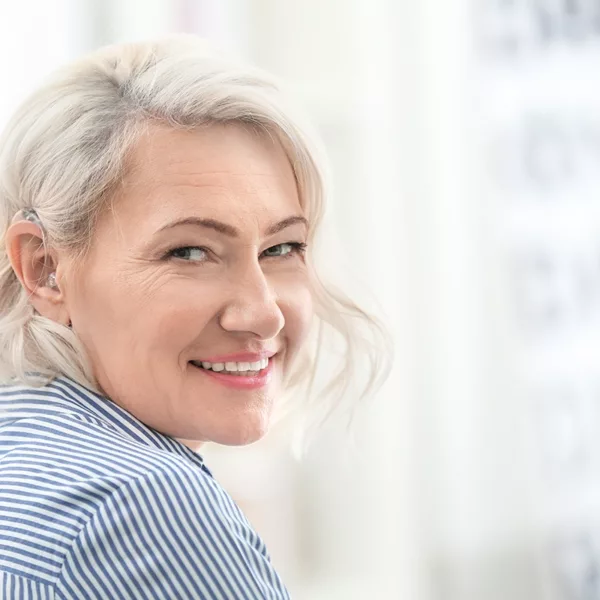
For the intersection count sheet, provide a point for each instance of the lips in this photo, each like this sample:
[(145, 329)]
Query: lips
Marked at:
[(247, 381)]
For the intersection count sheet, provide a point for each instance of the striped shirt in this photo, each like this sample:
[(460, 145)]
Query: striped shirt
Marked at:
[(95, 505)]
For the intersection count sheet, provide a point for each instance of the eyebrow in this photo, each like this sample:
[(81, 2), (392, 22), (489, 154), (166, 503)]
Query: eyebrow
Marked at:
[(231, 231)]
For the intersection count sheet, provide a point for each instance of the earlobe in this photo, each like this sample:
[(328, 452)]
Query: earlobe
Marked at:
[(62, 315)]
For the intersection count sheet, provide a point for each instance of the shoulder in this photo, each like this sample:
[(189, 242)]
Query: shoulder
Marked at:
[(57, 469), (173, 530)]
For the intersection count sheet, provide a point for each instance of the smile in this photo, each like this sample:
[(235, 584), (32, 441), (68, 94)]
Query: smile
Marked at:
[(228, 375)]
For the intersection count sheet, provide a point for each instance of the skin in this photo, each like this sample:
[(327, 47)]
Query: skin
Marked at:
[(143, 314)]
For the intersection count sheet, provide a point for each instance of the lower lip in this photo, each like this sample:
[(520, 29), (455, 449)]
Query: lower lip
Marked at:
[(241, 382)]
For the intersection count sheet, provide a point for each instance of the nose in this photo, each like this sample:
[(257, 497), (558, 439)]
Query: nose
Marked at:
[(252, 306)]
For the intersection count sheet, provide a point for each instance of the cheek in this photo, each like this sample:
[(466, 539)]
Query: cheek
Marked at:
[(128, 318)]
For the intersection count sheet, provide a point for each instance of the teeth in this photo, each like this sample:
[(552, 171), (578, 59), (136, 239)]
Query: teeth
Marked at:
[(234, 367)]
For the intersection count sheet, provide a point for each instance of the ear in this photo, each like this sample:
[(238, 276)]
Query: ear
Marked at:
[(33, 262)]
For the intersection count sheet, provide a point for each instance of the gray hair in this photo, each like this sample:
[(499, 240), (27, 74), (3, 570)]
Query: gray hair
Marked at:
[(64, 151)]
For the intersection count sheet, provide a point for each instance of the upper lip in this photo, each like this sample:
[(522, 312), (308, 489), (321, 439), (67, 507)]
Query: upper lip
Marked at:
[(239, 357)]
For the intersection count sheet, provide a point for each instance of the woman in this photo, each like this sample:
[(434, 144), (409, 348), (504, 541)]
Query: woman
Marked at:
[(158, 202)]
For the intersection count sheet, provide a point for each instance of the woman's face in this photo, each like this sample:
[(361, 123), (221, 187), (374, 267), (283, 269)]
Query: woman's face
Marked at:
[(197, 262)]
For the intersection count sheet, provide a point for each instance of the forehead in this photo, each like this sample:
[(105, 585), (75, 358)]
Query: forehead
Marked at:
[(223, 171)]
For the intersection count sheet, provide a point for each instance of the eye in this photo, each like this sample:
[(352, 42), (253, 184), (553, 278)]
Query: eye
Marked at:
[(285, 250), (189, 253)]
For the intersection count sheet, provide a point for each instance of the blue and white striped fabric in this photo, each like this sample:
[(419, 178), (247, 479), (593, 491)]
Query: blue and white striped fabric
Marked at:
[(95, 505)]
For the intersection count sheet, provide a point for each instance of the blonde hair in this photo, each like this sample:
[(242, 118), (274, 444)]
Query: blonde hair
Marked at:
[(63, 153)]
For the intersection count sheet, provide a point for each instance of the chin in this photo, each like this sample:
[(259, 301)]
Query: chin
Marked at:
[(240, 426), (230, 438), (226, 434), (240, 437), (230, 424)]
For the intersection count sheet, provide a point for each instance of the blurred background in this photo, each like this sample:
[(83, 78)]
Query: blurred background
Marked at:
[(464, 138)]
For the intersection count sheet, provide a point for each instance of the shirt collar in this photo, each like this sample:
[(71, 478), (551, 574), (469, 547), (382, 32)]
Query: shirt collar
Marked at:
[(120, 419)]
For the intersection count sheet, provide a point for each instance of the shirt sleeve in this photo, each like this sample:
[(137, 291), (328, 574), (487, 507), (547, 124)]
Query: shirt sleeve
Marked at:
[(168, 535)]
